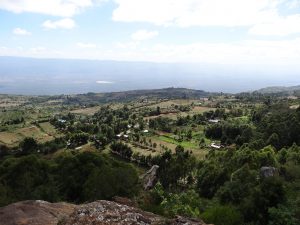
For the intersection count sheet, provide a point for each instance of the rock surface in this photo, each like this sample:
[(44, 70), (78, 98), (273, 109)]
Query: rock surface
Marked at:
[(150, 178), (267, 171), (35, 213), (95, 213), (105, 212)]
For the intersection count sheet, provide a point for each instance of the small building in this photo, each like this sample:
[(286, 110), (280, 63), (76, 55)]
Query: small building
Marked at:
[(146, 131), (214, 121), (216, 146)]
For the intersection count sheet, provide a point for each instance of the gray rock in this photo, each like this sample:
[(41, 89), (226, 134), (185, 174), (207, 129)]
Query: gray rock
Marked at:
[(150, 178), (94, 213), (267, 171)]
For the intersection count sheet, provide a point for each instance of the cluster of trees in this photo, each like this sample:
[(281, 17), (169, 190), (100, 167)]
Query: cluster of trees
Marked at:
[(77, 139), (276, 124), (101, 128), (161, 123), (12, 121), (228, 187), (74, 178), (30, 146), (121, 149), (175, 170), (230, 132)]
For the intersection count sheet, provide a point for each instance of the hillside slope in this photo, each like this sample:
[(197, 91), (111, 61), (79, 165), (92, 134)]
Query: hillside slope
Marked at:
[(279, 89)]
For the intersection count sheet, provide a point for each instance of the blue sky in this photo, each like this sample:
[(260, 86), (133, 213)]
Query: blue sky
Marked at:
[(252, 32)]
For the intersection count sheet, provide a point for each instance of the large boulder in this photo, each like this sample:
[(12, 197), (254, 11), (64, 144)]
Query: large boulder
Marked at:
[(106, 212), (35, 213), (95, 213), (150, 178), (268, 171)]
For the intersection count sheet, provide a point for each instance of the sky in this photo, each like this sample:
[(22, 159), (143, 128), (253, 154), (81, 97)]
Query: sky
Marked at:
[(235, 32)]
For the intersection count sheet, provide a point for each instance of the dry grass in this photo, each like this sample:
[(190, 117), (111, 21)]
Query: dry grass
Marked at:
[(48, 128), (13, 138), (10, 139), (174, 115), (197, 152), (87, 111), (35, 133)]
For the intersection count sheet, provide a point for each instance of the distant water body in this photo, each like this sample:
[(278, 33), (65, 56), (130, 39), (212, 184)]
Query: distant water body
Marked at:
[(30, 76)]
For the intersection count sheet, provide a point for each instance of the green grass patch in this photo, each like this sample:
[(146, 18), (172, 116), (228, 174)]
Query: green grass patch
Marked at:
[(185, 144)]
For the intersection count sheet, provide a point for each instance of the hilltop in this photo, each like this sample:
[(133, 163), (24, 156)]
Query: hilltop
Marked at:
[(279, 89)]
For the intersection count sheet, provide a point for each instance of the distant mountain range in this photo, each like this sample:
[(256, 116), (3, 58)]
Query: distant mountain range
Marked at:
[(279, 89), (30, 76), (164, 93)]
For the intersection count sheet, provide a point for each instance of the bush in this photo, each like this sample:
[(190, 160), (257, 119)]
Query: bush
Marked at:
[(74, 178), (222, 215)]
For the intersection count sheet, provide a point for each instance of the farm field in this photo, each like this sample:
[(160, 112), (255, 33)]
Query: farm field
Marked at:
[(86, 111), (41, 135)]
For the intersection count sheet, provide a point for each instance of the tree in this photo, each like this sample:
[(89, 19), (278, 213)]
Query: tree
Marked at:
[(222, 215), (28, 145), (174, 169), (121, 149), (282, 215), (274, 141)]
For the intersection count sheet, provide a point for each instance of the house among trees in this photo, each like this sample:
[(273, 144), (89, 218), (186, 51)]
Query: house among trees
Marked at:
[(216, 146), (214, 121)]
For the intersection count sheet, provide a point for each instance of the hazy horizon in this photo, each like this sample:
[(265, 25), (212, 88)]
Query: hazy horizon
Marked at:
[(30, 76)]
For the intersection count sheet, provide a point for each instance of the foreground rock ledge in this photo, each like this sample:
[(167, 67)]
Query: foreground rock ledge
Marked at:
[(95, 213)]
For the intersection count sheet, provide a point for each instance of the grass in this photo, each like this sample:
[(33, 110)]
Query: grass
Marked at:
[(48, 128), (87, 111), (10, 139), (174, 115), (42, 134), (35, 133), (142, 151), (185, 144)]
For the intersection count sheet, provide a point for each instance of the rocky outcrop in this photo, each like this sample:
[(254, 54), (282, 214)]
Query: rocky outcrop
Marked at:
[(95, 213), (150, 178), (35, 213), (106, 212), (267, 171)]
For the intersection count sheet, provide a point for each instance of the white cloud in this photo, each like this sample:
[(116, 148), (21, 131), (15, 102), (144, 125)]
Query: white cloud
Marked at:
[(85, 45), (262, 16), (63, 8), (104, 82), (66, 23), (141, 35), (186, 13), (293, 4), (280, 27), (124, 45), (37, 50), (251, 52), (20, 31)]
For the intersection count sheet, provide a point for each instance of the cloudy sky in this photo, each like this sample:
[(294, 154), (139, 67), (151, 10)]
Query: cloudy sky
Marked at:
[(265, 32)]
